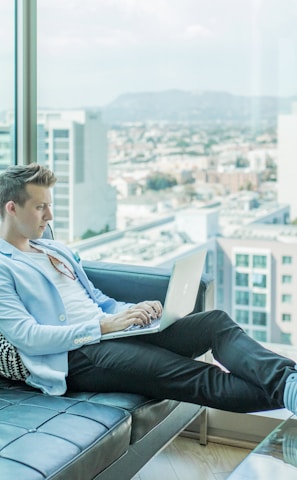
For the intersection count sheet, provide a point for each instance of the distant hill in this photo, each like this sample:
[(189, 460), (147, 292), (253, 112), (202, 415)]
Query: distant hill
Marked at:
[(204, 107)]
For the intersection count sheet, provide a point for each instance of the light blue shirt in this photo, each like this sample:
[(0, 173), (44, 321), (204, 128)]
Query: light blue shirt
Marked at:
[(34, 319)]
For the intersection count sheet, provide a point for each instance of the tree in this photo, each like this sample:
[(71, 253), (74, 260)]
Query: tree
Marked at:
[(91, 233), (160, 181)]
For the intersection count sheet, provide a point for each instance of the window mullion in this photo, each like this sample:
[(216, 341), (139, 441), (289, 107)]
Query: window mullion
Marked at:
[(25, 79)]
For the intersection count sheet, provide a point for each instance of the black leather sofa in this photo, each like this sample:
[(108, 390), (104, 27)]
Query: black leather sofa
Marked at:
[(91, 436)]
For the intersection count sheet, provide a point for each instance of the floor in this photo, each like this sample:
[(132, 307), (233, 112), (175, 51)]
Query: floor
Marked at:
[(185, 459)]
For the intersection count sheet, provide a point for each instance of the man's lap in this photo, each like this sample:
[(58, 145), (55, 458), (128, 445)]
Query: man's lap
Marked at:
[(123, 363)]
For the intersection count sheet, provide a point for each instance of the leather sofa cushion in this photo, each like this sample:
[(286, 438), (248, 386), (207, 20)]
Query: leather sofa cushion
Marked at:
[(57, 437), (146, 412)]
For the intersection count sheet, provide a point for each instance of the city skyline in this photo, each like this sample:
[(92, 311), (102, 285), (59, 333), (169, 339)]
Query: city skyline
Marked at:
[(93, 52)]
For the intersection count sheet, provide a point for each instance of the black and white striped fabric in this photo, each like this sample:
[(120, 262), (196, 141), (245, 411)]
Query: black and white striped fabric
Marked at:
[(11, 365)]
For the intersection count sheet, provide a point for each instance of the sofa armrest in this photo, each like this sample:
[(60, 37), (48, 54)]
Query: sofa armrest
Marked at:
[(132, 283)]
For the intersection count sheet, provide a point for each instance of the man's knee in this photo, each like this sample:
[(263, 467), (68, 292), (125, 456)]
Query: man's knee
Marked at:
[(215, 314), (219, 318)]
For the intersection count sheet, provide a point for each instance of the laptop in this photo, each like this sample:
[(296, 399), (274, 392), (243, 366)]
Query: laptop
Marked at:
[(180, 297)]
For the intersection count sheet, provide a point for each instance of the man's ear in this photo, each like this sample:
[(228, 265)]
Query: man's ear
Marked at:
[(10, 207)]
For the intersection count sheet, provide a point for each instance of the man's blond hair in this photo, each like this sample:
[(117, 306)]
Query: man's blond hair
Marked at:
[(14, 179)]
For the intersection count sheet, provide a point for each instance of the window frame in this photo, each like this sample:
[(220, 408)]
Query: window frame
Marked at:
[(25, 81)]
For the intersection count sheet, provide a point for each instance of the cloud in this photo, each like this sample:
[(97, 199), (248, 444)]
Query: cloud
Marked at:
[(101, 48), (197, 31), (73, 44)]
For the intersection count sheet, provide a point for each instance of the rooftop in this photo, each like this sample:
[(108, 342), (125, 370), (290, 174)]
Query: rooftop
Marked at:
[(165, 238)]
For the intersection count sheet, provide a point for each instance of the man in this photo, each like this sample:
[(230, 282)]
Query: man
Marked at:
[(52, 318)]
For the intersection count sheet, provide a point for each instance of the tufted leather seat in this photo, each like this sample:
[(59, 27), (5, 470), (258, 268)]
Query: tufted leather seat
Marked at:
[(40, 435), (146, 412)]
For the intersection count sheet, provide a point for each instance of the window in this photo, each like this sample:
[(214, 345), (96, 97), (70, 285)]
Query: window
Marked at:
[(64, 179), (259, 280), (286, 298), (61, 211), (220, 276), (286, 338), (286, 278), (286, 317), (209, 263), (242, 260), (220, 259), (62, 190), (241, 298), (259, 318), (259, 335), (130, 64), (61, 157), (259, 300), (60, 144), (242, 316), (220, 296), (287, 260), (259, 261), (60, 134), (242, 279), (63, 202), (62, 224)]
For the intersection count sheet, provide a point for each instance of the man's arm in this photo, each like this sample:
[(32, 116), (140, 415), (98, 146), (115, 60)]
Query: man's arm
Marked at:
[(40, 332)]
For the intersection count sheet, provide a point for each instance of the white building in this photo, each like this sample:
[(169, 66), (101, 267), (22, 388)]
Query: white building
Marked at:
[(255, 280), (287, 160), (75, 148), (252, 257), (6, 146)]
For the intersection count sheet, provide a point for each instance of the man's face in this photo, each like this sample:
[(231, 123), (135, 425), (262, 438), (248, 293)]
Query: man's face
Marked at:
[(31, 218)]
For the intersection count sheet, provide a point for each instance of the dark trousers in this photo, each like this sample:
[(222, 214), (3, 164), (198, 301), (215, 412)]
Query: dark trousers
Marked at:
[(162, 366)]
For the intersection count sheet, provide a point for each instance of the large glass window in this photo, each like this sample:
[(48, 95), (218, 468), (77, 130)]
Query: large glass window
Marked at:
[(151, 111), (7, 94)]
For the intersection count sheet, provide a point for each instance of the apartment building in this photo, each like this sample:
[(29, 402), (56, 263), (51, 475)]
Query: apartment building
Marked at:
[(251, 255), (73, 144), (6, 146), (287, 159), (256, 271)]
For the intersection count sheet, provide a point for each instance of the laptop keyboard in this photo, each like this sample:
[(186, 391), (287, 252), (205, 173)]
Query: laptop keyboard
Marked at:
[(141, 327)]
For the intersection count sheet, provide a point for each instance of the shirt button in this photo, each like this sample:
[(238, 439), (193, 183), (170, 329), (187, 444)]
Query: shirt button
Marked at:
[(62, 317)]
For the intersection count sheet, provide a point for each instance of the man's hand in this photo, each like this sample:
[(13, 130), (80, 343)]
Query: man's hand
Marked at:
[(152, 307), (140, 314)]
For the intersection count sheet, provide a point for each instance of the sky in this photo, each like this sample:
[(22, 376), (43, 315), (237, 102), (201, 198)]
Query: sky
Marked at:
[(91, 52)]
